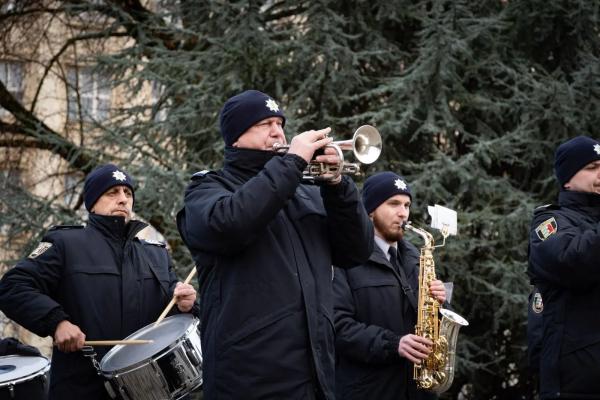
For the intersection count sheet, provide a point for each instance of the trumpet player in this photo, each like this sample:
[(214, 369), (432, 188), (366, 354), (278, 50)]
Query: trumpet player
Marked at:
[(375, 304), (264, 243)]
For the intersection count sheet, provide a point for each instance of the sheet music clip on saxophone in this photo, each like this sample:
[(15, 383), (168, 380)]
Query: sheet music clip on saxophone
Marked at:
[(444, 219)]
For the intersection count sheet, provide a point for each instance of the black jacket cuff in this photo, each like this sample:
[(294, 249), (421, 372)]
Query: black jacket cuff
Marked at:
[(390, 345), (53, 318)]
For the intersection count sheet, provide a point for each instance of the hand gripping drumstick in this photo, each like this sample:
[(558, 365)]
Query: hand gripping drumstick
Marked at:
[(172, 302)]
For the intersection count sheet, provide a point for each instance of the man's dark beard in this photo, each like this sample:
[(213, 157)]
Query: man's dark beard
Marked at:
[(386, 234)]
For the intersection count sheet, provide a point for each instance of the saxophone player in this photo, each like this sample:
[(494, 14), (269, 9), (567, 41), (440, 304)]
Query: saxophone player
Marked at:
[(564, 249), (375, 308)]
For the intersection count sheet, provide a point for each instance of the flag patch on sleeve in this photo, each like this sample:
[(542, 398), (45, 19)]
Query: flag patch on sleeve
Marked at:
[(546, 229)]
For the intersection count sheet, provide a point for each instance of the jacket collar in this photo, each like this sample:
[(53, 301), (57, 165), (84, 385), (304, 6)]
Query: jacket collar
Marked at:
[(589, 203), (405, 255), (379, 257), (246, 163), (115, 227)]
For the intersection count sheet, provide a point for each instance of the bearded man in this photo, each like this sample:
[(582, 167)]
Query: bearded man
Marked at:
[(375, 304)]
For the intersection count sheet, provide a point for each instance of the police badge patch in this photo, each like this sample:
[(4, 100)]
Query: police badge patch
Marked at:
[(546, 228), (537, 305), (42, 247)]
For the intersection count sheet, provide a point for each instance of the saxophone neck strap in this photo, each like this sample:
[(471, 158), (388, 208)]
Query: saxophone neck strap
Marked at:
[(407, 289)]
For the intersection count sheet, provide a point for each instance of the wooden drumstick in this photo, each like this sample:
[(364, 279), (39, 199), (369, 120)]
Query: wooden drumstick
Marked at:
[(116, 342), (172, 302)]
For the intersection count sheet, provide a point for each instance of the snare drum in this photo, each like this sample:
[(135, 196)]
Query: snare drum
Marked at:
[(24, 377), (168, 368)]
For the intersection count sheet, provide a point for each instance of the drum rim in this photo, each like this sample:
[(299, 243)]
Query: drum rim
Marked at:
[(25, 378), (159, 354)]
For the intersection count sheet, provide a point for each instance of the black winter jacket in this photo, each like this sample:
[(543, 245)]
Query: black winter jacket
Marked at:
[(264, 245), (100, 278), (564, 263), (372, 313)]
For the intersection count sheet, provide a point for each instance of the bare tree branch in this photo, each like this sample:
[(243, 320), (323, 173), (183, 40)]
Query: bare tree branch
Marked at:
[(26, 11), (131, 14), (32, 127), (68, 43), (10, 129)]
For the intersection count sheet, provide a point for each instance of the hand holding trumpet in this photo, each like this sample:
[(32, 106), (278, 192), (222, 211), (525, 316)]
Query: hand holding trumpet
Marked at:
[(305, 144), (329, 164)]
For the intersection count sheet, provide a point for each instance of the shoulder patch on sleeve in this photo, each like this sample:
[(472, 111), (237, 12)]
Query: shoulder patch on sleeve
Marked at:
[(153, 242), (201, 174), (547, 228), (61, 227), (537, 304), (42, 247), (546, 207)]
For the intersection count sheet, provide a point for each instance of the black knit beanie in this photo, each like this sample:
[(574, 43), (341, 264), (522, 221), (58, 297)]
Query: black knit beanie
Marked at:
[(101, 179), (242, 111), (573, 155), (380, 187)]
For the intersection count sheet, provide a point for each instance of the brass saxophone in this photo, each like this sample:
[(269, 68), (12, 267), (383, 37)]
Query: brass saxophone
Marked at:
[(436, 372)]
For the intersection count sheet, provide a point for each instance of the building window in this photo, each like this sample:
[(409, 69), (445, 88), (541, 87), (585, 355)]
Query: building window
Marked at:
[(71, 193), (91, 15), (159, 105), (10, 180), (11, 75), (10, 184), (90, 91), (9, 5)]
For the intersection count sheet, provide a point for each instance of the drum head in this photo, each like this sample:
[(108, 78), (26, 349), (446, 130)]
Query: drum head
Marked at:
[(19, 368), (165, 334)]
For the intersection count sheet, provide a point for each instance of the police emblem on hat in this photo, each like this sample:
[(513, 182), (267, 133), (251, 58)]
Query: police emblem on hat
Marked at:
[(272, 105), (42, 247), (537, 305), (118, 175), (546, 228), (400, 184)]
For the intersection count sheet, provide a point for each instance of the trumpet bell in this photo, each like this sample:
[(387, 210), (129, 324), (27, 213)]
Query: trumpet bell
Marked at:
[(367, 144)]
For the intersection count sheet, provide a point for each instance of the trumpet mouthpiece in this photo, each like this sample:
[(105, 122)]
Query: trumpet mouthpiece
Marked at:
[(280, 147)]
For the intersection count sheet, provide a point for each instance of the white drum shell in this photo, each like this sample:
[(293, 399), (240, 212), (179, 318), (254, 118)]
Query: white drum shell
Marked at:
[(24, 377), (170, 373)]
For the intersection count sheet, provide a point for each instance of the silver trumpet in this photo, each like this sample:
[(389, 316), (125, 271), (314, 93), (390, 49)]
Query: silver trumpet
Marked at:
[(366, 145)]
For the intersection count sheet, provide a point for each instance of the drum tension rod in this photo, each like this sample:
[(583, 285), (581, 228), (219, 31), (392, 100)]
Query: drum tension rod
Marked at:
[(89, 352)]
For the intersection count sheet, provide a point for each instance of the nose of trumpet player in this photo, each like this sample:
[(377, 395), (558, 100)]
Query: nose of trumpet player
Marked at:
[(262, 135)]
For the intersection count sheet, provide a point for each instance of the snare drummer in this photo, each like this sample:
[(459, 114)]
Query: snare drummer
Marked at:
[(95, 282), (264, 243)]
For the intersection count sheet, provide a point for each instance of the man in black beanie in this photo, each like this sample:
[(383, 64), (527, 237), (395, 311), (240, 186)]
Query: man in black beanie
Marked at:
[(375, 304), (264, 243), (564, 266), (97, 282)]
